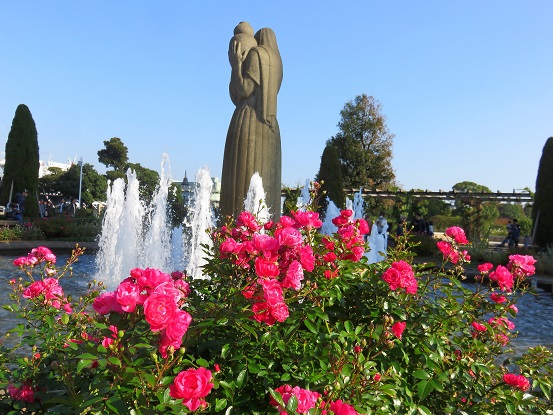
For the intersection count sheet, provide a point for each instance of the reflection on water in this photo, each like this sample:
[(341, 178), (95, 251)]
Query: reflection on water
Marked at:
[(534, 321)]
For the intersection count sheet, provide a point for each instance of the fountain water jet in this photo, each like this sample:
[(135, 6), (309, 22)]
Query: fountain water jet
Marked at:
[(203, 218), (136, 236), (255, 199)]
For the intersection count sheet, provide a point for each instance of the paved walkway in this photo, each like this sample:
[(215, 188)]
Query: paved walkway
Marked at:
[(26, 246)]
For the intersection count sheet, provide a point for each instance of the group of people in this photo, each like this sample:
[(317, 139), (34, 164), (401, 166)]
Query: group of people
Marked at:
[(420, 226), (513, 234), (47, 208)]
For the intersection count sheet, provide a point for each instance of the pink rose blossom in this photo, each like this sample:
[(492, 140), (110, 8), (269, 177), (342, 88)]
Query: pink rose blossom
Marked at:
[(105, 303), (498, 298), (478, 327), (294, 276), (398, 328), (191, 386), (341, 408), (266, 268), (485, 268), (521, 265), (502, 277), (518, 381), (306, 398), (458, 234), (159, 311), (25, 393), (128, 295)]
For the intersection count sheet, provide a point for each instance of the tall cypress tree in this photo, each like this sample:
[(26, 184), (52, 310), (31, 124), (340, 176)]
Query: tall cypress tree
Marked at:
[(22, 161), (330, 174), (542, 212)]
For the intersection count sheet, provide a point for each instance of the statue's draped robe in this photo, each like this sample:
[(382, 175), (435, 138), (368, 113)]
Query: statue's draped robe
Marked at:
[(253, 138)]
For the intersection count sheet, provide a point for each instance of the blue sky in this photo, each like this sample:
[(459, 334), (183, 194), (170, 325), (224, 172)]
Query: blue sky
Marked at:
[(467, 87)]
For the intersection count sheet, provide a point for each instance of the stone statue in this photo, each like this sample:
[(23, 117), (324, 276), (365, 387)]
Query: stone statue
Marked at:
[(253, 138)]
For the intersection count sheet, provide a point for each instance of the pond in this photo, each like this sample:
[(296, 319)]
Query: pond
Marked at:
[(534, 322)]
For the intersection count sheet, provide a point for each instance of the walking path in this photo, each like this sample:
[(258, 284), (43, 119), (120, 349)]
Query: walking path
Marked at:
[(26, 246)]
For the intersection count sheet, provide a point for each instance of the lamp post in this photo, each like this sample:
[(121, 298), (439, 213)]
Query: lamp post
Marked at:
[(80, 181)]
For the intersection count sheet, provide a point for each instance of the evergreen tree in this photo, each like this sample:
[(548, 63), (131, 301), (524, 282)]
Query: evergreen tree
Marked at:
[(22, 161), (114, 154), (364, 145), (542, 212), (330, 175)]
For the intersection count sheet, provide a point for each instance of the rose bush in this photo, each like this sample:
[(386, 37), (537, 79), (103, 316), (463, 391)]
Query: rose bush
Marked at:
[(289, 321)]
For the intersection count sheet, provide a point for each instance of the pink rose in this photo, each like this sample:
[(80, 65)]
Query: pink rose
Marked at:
[(307, 258), (458, 234), (294, 276), (478, 327), (159, 311), (151, 278), (498, 298), (265, 244), (191, 386), (522, 265), (485, 268), (105, 303), (249, 221), (25, 393), (341, 408), (179, 325), (229, 246), (307, 220), (502, 277), (518, 381), (306, 398), (34, 290), (128, 295), (289, 237), (266, 268), (393, 277), (398, 329)]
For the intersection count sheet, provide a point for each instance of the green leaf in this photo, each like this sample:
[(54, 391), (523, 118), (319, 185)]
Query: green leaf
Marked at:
[(348, 326), (202, 362), (224, 350), (220, 404), (83, 363), (114, 361), (421, 374), (424, 388), (241, 378), (65, 318), (312, 328)]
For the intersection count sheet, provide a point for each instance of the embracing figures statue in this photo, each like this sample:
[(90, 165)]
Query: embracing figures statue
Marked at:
[(253, 138)]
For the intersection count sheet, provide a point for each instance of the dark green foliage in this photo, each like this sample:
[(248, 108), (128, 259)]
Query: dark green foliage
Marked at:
[(290, 199), (477, 216), (330, 177), (542, 213), (175, 205), (148, 178), (22, 161), (364, 145), (114, 154), (94, 184)]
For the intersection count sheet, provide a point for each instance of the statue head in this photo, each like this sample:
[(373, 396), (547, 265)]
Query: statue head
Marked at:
[(243, 34)]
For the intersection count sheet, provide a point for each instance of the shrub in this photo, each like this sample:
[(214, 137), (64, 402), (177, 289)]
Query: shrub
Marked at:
[(20, 233), (289, 321), (64, 226)]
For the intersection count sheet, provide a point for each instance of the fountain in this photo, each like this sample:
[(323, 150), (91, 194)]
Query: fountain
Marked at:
[(305, 197), (331, 212), (138, 236), (255, 199), (358, 205)]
